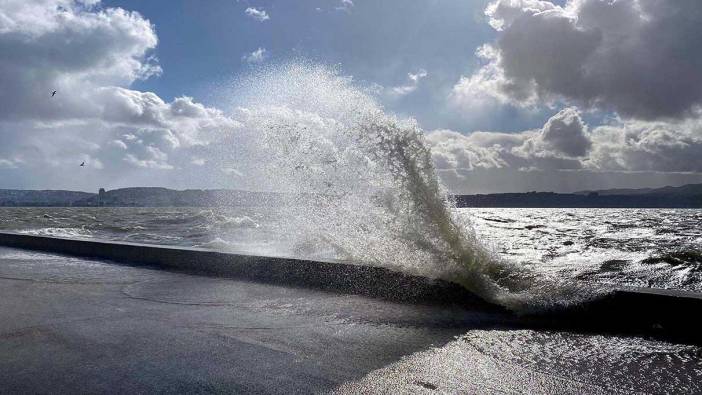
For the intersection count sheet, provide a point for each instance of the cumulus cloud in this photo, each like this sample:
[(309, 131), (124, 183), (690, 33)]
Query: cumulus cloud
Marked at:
[(257, 56), (565, 134), (90, 55), (562, 143), (69, 47), (566, 143), (648, 146), (259, 15), (640, 58)]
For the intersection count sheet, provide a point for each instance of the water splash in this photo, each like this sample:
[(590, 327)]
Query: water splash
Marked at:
[(362, 183)]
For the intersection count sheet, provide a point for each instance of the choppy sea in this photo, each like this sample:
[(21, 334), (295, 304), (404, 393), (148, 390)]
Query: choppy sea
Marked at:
[(659, 248)]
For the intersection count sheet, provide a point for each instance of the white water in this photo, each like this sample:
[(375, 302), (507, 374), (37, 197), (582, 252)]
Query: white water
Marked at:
[(362, 182)]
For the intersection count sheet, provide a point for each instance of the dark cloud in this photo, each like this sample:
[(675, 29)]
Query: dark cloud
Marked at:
[(565, 133), (640, 58)]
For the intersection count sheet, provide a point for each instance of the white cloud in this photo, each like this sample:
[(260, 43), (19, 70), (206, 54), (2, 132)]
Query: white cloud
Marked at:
[(90, 56), (147, 163), (639, 58), (71, 48), (345, 5), (489, 86), (7, 164), (648, 146), (259, 15), (256, 56), (562, 143), (566, 143), (118, 143), (413, 80)]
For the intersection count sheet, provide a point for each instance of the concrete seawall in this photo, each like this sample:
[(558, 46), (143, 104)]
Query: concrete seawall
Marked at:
[(661, 313), (331, 276)]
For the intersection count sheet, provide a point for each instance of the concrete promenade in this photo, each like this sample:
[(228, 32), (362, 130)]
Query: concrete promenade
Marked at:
[(69, 325), (80, 325)]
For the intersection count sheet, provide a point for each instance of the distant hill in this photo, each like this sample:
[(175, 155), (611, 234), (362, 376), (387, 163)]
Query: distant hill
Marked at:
[(138, 197), (162, 197), (16, 197), (685, 190), (624, 191), (686, 196)]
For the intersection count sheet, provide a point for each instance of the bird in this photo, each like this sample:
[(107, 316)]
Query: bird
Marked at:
[(53, 93), (82, 164)]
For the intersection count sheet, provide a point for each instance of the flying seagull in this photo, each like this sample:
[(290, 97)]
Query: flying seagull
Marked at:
[(82, 164), (53, 93)]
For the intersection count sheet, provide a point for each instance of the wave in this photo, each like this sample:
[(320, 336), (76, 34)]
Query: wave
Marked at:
[(236, 222), (59, 232), (363, 182), (687, 258)]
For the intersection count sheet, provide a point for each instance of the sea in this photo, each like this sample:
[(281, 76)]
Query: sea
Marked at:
[(658, 248)]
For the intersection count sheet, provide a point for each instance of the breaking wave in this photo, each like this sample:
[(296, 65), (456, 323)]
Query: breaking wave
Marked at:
[(362, 182), (59, 232)]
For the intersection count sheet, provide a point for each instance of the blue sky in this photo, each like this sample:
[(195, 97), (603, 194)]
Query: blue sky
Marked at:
[(512, 95), (200, 48)]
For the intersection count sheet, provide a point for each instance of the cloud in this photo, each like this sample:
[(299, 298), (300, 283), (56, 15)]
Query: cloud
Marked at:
[(156, 160), (565, 134), (648, 146), (91, 56), (413, 80), (7, 164), (118, 143), (68, 47), (562, 143), (639, 58), (256, 56), (259, 15), (566, 143), (345, 5)]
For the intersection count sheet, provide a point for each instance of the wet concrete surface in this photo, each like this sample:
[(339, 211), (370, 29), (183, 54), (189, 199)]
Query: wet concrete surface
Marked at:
[(71, 325)]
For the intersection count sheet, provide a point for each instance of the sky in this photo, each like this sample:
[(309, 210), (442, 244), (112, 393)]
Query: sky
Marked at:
[(512, 95)]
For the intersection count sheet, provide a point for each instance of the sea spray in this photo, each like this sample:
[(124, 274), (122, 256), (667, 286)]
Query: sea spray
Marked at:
[(362, 183)]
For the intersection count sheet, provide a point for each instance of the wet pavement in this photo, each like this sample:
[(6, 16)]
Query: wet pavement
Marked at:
[(70, 325)]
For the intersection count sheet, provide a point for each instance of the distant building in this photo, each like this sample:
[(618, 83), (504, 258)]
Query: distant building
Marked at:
[(101, 197)]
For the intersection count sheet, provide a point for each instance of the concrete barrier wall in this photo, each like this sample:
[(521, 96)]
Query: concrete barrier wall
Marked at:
[(662, 313), (332, 276)]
